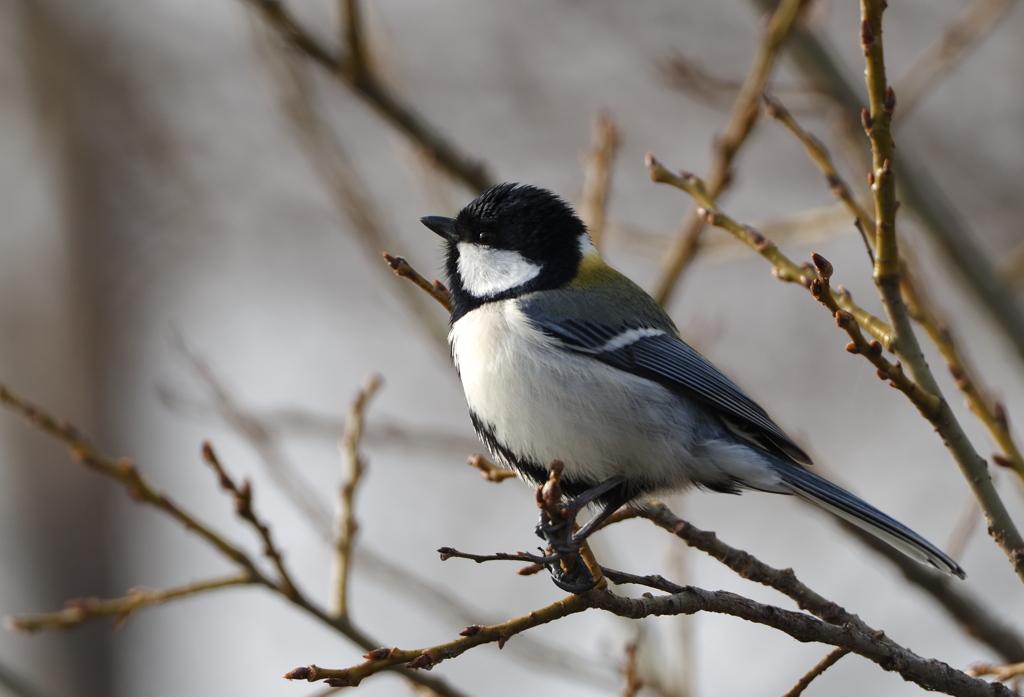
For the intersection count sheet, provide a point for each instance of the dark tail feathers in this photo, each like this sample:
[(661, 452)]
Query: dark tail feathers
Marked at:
[(813, 488)]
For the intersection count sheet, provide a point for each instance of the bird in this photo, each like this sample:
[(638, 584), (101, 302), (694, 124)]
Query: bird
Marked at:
[(561, 357)]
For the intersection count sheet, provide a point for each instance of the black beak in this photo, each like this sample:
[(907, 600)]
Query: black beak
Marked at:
[(445, 227)]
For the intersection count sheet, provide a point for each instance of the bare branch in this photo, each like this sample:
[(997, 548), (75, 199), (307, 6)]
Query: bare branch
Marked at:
[(930, 674), (242, 495), (604, 144), (471, 637)]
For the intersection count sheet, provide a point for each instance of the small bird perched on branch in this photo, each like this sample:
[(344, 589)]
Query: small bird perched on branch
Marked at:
[(562, 357)]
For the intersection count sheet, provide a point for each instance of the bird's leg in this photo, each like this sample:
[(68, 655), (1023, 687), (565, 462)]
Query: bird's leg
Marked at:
[(583, 533), (558, 534)]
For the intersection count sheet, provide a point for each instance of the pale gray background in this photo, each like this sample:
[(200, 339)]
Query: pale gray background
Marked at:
[(155, 193)]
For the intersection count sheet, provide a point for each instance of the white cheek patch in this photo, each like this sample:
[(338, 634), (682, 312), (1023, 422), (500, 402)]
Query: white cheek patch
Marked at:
[(485, 271)]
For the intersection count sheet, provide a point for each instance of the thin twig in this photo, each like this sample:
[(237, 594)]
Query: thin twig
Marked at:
[(471, 637), (784, 269), (820, 156), (490, 471), (741, 122), (263, 431), (604, 144), (242, 495), (345, 524), (927, 403), (288, 479), (917, 381), (434, 289), (824, 664), (81, 610), (989, 411), (125, 473)]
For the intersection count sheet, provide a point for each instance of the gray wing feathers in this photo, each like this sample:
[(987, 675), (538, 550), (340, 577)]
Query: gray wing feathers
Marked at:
[(666, 359)]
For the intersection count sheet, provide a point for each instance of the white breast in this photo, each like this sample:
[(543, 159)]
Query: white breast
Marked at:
[(544, 402)]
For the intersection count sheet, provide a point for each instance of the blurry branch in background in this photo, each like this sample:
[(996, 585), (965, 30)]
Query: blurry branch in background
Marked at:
[(1013, 671), (728, 143), (142, 491), (357, 76), (1012, 271), (942, 56), (80, 610), (919, 191), (15, 686), (688, 75), (286, 477), (991, 413), (629, 672), (341, 176), (345, 527), (605, 140)]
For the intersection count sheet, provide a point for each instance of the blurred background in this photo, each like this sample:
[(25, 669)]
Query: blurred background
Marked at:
[(193, 215)]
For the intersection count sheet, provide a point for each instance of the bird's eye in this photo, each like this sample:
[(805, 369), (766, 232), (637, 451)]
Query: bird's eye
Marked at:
[(486, 237)]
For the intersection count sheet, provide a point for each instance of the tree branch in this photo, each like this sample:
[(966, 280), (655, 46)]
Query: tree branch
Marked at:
[(930, 674), (877, 123)]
